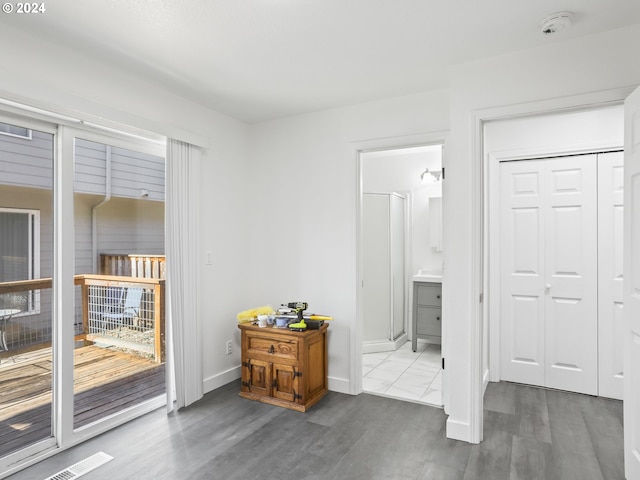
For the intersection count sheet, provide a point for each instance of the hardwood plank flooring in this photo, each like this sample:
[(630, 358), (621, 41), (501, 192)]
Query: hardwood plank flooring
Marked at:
[(105, 381), (530, 434)]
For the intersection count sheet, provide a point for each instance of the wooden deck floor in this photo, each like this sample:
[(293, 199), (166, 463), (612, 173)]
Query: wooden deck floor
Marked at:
[(105, 381)]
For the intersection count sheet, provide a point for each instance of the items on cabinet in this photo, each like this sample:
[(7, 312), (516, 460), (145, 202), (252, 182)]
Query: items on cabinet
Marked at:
[(284, 367), (427, 312)]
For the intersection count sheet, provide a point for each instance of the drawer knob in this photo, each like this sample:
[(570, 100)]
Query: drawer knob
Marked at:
[(438, 297), (438, 318), (271, 349)]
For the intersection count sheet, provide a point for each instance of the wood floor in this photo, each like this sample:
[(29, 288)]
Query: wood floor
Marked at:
[(105, 381), (529, 433)]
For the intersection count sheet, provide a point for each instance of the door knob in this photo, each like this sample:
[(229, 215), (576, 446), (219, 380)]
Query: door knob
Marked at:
[(547, 287)]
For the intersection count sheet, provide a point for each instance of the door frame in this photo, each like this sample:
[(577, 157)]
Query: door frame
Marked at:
[(488, 181), (358, 148)]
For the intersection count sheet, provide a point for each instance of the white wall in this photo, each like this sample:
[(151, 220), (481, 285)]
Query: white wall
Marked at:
[(561, 132), (600, 62), (303, 232), (74, 81)]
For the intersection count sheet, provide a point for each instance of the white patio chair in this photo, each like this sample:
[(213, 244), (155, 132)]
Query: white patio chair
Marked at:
[(127, 312)]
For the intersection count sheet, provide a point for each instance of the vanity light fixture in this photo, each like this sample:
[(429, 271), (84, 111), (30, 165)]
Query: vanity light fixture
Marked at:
[(429, 177)]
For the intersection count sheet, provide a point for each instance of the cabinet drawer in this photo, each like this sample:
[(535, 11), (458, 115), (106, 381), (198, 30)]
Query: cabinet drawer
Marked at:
[(429, 295), (272, 346), (429, 321)]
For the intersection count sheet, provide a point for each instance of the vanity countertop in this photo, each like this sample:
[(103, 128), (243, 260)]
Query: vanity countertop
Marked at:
[(427, 276)]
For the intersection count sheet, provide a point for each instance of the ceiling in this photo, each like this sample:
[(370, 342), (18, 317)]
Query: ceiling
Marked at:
[(257, 60)]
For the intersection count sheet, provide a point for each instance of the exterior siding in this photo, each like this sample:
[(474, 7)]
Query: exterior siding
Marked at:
[(133, 171), (130, 171), (125, 226), (27, 163), (90, 167)]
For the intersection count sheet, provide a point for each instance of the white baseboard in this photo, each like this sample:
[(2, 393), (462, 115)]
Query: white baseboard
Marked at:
[(216, 381), (458, 430), (340, 385), (376, 346)]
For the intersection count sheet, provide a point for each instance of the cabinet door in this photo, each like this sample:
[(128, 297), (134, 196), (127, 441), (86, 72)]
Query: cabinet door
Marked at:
[(429, 321), (259, 377), (429, 295), (285, 383)]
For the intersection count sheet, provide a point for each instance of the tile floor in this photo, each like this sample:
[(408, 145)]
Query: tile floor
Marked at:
[(405, 374)]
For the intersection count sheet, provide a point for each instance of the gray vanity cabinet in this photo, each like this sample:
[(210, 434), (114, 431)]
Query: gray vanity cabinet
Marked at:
[(427, 312)]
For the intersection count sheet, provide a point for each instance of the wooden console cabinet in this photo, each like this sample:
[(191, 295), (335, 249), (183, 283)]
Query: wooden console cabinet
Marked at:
[(284, 368)]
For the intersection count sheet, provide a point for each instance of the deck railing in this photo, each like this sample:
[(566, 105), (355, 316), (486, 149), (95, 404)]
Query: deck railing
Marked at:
[(134, 265), (125, 312)]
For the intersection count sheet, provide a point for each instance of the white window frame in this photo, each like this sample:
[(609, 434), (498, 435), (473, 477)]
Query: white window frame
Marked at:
[(33, 302), (28, 136)]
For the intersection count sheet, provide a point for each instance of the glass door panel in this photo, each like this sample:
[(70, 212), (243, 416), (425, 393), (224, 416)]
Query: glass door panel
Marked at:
[(26, 270), (119, 283)]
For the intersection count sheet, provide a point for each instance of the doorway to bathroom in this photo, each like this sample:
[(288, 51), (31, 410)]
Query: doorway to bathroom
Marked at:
[(401, 246)]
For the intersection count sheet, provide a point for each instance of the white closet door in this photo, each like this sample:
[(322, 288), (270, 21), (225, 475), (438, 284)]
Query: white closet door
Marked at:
[(522, 265), (548, 264), (610, 266), (571, 317)]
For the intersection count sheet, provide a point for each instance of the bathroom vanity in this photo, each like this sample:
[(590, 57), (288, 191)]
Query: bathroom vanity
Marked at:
[(427, 308)]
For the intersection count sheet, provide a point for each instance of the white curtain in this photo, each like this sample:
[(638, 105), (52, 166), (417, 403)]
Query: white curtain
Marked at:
[(184, 348)]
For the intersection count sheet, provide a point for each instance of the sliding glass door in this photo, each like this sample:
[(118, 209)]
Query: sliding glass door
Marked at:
[(119, 277), (26, 270), (82, 294)]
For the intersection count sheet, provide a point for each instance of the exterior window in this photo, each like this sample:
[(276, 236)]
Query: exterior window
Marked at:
[(15, 131), (19, 255)]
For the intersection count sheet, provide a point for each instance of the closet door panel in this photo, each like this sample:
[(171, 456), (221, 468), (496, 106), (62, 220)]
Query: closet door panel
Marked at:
[(571, 320), (522, 272), (610, 274), (549, 272)]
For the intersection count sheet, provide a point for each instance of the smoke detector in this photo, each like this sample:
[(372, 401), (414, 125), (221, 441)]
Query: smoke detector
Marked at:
[(555, 22)]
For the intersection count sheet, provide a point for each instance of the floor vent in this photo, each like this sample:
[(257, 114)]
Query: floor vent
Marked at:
[(82, 467)]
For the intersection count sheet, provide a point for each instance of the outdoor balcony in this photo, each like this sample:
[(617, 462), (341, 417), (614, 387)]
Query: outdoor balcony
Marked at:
[(118, 359)]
